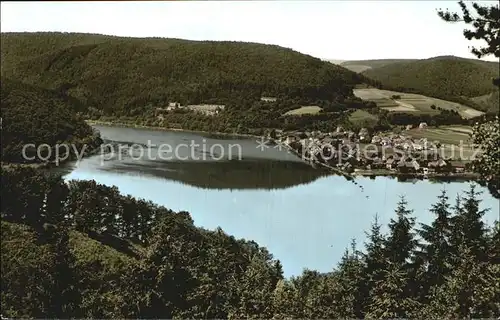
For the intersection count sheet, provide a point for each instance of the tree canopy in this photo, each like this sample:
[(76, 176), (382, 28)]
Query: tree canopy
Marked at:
[(32, 115)]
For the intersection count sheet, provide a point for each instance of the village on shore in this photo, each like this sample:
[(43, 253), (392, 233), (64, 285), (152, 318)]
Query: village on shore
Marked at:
[(384, 153)]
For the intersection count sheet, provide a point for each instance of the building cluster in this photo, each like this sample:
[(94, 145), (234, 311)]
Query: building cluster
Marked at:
[(206, 109), (403, 142), (351, 151)]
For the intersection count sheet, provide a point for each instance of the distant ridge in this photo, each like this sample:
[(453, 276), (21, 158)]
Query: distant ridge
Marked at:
[(128, 76), (444, 77)]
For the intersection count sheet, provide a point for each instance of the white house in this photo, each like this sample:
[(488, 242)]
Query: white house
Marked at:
[(268, 99)]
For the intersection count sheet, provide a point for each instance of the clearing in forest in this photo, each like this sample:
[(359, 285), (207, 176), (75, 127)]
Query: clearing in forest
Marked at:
[(304, 110), (410, 102)]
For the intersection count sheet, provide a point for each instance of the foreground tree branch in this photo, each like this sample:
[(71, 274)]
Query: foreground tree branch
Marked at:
[(484, 25)]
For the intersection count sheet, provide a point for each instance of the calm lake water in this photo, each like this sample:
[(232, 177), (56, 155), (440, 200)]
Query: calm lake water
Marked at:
[(305, 217)]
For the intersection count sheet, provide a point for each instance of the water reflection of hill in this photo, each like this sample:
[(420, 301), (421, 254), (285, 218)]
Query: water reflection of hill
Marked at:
[(244, 174)]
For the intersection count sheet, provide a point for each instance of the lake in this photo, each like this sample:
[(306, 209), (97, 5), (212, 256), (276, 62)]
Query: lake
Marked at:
[(305, 217)]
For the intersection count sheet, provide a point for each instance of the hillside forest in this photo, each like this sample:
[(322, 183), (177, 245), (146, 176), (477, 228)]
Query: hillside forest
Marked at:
[(133, 81)]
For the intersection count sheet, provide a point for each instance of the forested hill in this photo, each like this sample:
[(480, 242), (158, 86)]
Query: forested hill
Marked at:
[(125, 76), (32, 115), (445, 77)]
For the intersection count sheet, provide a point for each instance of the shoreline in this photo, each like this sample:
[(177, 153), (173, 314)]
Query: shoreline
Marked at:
[(467, 176), (156, 128), (438, 176), (51, 164)]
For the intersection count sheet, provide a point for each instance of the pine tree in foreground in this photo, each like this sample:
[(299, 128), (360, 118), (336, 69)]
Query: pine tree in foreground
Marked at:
[(469, 229), (374, 261), (472, 290), (434, 255)]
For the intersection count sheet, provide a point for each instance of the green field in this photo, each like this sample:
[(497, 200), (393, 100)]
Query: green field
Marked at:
[(447, 134), (303, 110), (412, 103), (489, 101), (450, 137), (455, 142), (363, 117)]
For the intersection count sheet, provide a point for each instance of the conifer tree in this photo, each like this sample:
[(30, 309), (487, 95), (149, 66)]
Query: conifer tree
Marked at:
[(306, 288), (389, 297), (170, 260), (350, 280), (393, 295), (472, 290), (65, 296), (468, 227), (323, 301), (435, 249), (401, 241), (494, 244), (487, 164), (374, 260), (255, 292), (285, 301)]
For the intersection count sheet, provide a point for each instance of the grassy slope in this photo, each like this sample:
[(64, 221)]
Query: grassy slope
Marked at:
[(488, 101), (363, 118), (455, 138), (412, 103), (22, 259), (304, 110), (441, 77), (84, 247), (129, 75), (28, 265)]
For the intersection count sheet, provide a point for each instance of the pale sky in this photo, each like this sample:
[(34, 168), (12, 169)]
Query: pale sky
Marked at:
[(344, 30)]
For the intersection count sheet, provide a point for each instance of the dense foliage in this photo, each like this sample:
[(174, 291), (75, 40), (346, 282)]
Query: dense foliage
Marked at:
[(37, 116), (448, 78), (445, 117), (487, 136), (84, 250), (385, 120), (127, 76)]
